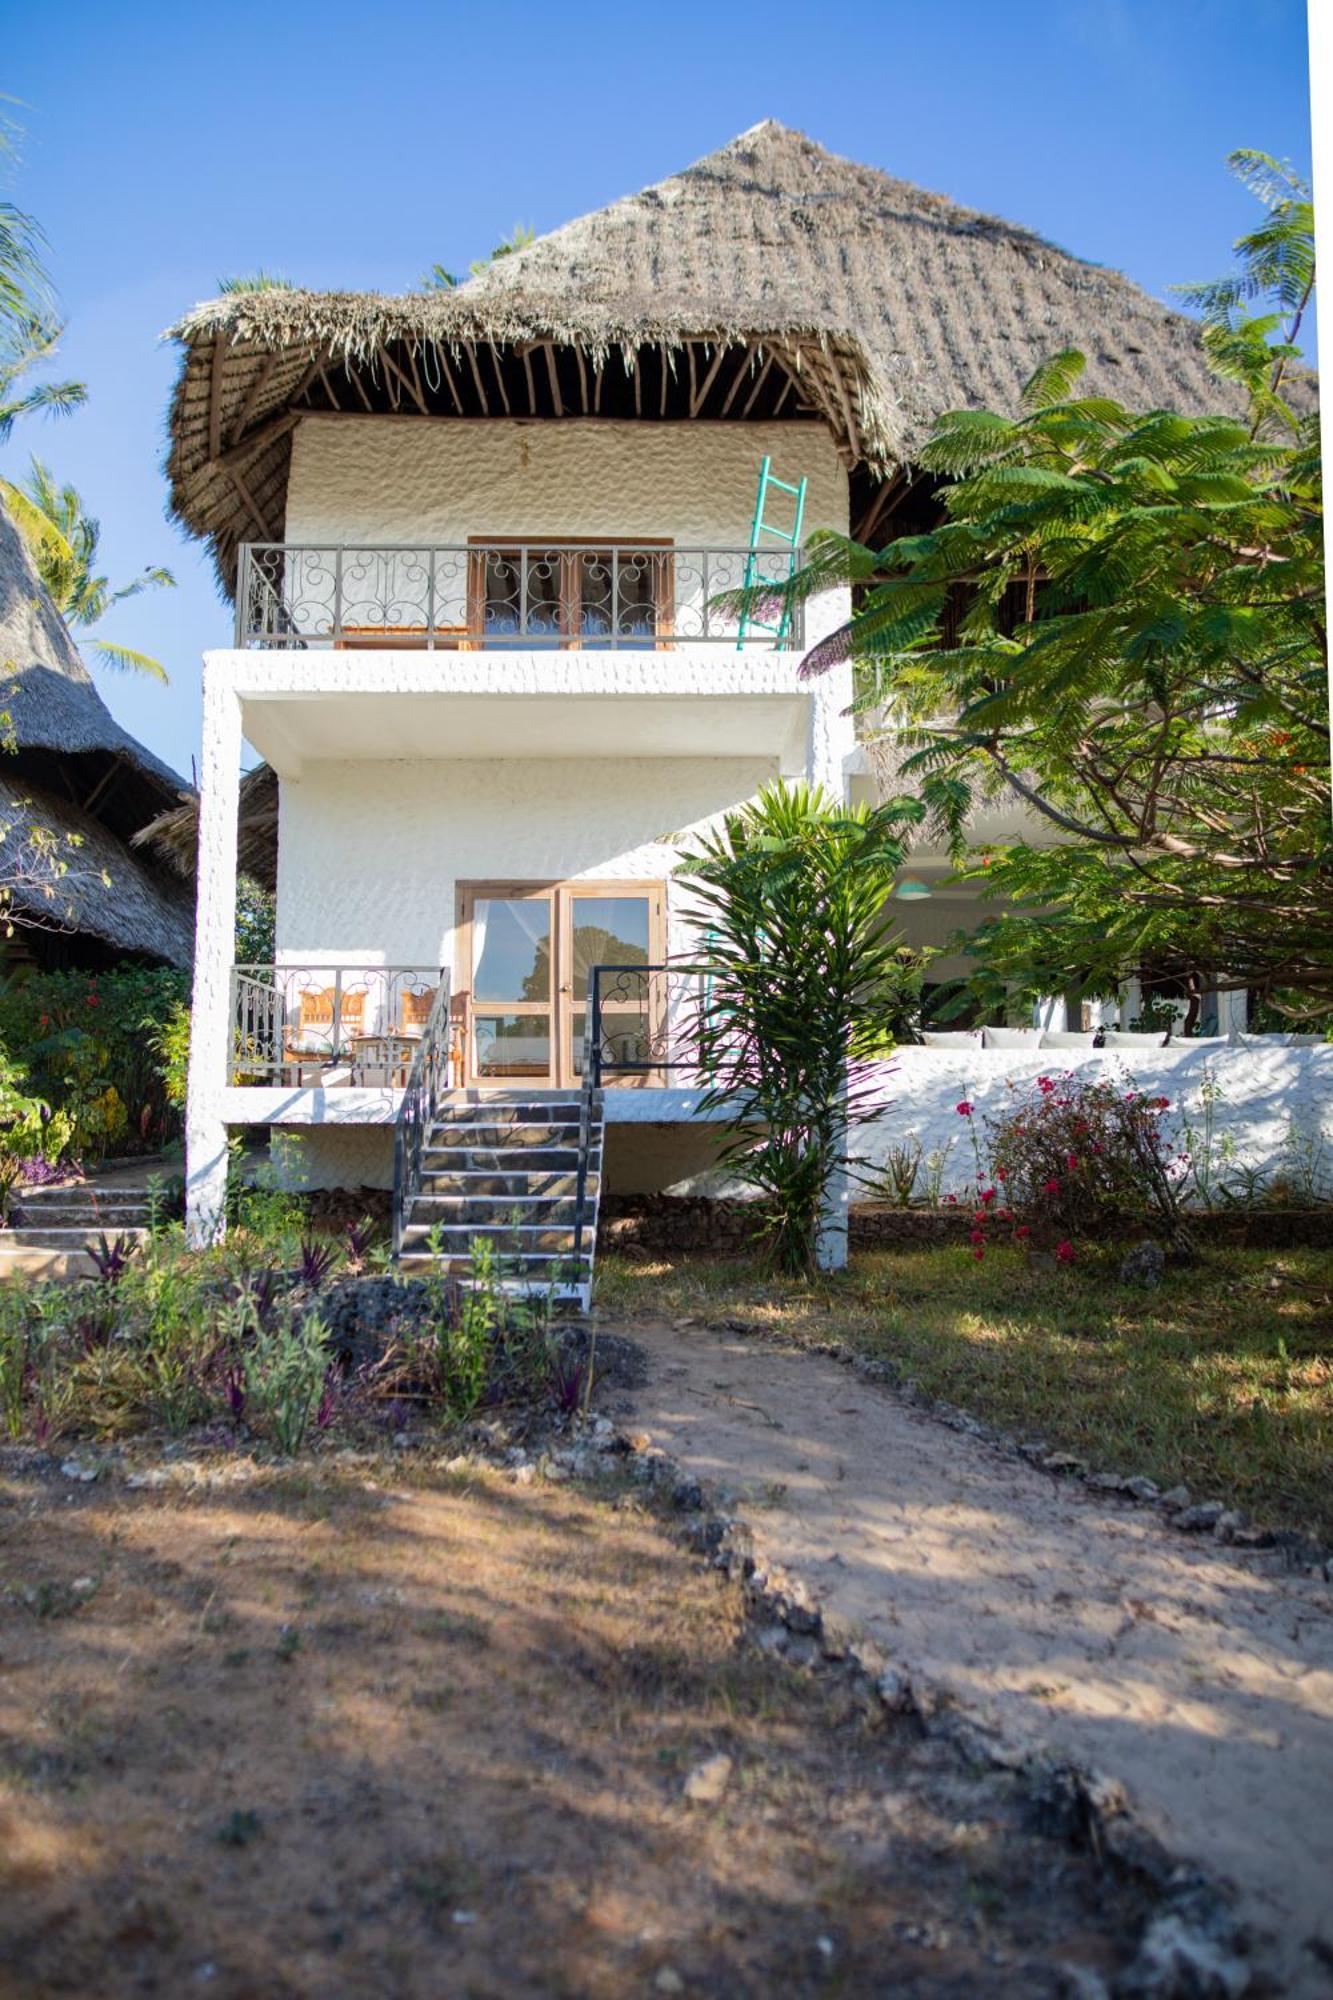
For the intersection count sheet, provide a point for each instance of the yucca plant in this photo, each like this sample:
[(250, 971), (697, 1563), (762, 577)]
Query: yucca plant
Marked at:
[(791, 894)]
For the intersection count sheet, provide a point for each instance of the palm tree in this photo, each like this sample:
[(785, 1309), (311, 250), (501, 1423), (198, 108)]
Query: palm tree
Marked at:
[(256, 281), (438, 279), (29, 329), (63, 538)]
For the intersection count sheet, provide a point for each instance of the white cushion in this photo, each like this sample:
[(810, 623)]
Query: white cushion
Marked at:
[(1013, 1038), (963, 1038), (1134, 1038), (1067, 1038)]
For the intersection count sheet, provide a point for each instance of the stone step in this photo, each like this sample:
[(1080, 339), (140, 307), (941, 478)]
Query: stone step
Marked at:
[(518, 1112), (505, 1160), (458, 1237), (104, 1214), (506, 1185), (493, 1208), (507, 1139), (61, 1237)]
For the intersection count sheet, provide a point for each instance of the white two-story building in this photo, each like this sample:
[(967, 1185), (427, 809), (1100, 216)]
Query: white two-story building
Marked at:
[(475, 541)]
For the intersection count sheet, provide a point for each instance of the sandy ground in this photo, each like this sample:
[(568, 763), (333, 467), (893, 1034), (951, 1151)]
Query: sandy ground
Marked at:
[(343, 1729), (1204, 1681)]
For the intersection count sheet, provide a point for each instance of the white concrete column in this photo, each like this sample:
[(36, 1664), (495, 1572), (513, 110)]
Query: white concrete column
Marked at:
[(1131, 1002), (214, 946), (1233, 1013), (1050, 1011)]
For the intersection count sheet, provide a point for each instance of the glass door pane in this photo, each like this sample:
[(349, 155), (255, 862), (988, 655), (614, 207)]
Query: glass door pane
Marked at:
[(513, 980), (610, 927)]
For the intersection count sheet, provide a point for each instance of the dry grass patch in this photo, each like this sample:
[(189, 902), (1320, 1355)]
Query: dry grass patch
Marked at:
[(1223, 1378), (368, 1728)]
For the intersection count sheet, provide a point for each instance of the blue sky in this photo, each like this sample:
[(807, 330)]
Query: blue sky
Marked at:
[(344, 145)]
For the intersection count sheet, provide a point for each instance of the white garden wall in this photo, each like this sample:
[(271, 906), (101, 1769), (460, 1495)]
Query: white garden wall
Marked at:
[(1272, 1107)]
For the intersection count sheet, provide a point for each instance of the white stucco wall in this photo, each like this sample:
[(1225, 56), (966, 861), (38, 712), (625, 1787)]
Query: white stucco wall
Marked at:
[(362, 482), (371, 853), (407, 479), (1266, 1099)]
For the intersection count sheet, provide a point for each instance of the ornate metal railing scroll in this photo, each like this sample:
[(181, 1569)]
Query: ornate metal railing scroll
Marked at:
[(565, 595)]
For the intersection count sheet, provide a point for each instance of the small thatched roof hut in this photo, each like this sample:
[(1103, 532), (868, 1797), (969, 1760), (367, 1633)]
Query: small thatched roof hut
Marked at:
[(771, 278), (75, 773)]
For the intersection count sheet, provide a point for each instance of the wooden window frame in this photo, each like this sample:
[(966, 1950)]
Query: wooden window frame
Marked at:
[(559, 1010), (571, 639)]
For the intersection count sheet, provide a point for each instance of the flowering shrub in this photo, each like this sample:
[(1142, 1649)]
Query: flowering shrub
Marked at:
[(1075, 1155)]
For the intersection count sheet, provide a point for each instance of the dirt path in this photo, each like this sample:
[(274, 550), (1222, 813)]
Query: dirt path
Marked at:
[(1203, 1681)]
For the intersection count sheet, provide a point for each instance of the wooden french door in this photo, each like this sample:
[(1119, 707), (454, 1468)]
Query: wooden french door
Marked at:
[(527, 950)]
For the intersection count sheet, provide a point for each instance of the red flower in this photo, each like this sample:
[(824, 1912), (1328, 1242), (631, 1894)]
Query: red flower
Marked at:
[(1162, 1103), (952, 1200), (979, 1253), (1001, 1173), (44, 1020), (92, 999), (1051, 1187), (1095, 1147), (964, 1109), (1045, 1085), (1071, 1161), (1022, 1230), (977, 1236), (1065, 1252), (988, 1194)]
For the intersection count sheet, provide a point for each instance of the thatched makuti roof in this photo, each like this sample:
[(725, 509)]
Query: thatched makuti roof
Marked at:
[(175, 834), (74, 770), (105, 892), (771, 278)]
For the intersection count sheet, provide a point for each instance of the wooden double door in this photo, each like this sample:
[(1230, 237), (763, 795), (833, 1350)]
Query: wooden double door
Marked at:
[(527, 950)]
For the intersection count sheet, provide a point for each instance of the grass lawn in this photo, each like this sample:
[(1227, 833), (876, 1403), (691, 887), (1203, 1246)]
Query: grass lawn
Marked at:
[(387, 1727), (1223, 1378)]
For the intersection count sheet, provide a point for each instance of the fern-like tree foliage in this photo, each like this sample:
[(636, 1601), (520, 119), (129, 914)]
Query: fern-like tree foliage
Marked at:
[(64, 539), (801, 976), (1120, 620)]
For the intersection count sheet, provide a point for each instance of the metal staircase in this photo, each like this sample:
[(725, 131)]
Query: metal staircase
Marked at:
[(520, 1169)]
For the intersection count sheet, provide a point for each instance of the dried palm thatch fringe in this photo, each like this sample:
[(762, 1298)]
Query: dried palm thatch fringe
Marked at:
[(874, 304), (175, 834), (65, 736), (105, 892)]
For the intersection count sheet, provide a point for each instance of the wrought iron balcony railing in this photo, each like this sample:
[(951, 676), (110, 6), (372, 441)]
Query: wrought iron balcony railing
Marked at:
[(505, 594), (329, 1024), (652, 1023)]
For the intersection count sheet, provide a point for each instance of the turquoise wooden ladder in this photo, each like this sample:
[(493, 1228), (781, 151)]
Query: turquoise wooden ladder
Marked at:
[(787, 538)]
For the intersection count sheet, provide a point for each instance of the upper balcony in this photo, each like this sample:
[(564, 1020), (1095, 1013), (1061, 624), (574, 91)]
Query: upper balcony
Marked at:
[(585, 596)]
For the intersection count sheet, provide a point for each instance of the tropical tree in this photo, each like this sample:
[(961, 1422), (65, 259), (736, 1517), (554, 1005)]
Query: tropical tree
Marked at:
[(1120, 622), (438, 279), (799, 968), (68, 566), (29, 327)]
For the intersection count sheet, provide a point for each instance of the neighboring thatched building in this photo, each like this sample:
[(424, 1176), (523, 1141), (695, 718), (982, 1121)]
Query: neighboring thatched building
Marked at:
[(76, 776)]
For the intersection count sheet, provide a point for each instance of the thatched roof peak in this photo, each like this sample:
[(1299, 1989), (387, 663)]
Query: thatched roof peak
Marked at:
[(862, 301)]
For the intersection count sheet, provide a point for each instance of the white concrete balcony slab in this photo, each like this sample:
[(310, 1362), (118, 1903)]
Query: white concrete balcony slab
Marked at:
[(694, 701)]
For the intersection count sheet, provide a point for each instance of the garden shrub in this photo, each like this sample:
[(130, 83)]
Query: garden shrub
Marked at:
[(1074, 1156), (93, 1047), (28, 1129)]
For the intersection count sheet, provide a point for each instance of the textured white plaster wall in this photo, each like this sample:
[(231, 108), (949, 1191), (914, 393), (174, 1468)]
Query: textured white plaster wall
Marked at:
[(406, 479), (1264, 1097), (370, 854), (360, 482)]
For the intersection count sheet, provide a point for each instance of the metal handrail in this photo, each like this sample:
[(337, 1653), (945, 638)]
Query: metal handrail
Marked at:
[(672, 997), (586, 1093), (416, 1113), (502, 593)]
